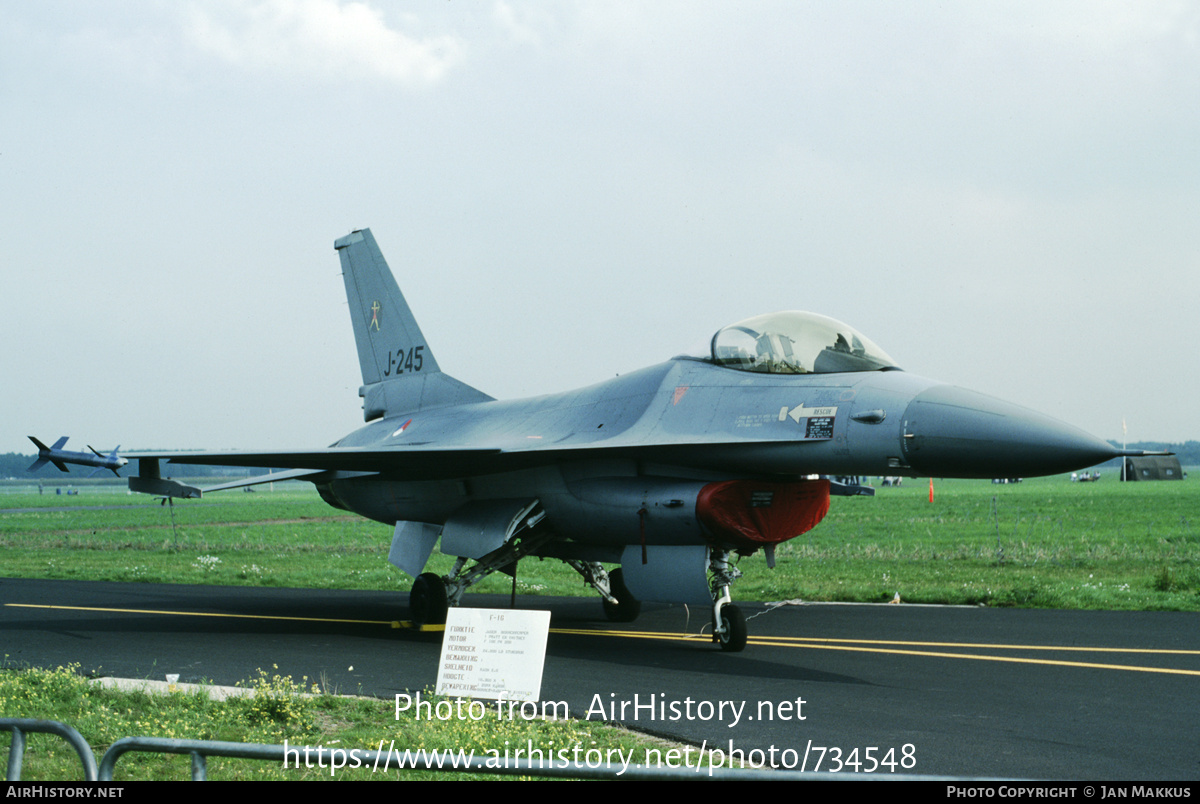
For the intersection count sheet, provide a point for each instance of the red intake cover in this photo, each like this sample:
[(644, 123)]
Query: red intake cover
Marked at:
[(749, 514)]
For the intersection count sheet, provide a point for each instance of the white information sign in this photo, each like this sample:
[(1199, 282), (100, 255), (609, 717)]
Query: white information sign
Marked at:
[(494, 654)]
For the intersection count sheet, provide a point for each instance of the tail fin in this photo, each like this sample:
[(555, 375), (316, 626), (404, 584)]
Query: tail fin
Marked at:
[(40, 462), (44, 454), (400, 374)]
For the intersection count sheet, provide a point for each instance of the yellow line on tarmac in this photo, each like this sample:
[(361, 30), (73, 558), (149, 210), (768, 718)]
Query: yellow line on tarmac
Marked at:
[(985, 658), (863, 646), (812, 643), (671, 637), (391, 623)]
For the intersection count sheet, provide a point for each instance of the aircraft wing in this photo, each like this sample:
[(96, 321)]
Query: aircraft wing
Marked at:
[(418, 462)]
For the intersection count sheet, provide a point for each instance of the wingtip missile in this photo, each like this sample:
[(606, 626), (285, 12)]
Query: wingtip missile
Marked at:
[(61, 457)]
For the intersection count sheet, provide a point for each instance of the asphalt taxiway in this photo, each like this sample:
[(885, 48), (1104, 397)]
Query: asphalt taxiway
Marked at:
[(960, 690)]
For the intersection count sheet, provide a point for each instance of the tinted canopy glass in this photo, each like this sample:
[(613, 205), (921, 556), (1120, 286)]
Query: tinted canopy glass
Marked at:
[(794, 342)]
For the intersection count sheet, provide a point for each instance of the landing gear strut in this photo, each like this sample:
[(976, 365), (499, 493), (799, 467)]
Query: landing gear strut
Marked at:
[(432, 595), (729, 624)]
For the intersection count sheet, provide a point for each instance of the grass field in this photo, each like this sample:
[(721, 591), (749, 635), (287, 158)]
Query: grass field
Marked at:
[(1045, 542)]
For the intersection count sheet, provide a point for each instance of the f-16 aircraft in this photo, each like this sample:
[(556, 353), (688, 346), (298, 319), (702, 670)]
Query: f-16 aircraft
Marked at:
[(669, 473)]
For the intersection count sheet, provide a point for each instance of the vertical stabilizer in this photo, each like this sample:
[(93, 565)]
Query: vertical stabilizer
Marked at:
[(400, 373)]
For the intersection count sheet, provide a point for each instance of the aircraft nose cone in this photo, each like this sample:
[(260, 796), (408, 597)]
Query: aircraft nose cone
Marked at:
[(952, 432)]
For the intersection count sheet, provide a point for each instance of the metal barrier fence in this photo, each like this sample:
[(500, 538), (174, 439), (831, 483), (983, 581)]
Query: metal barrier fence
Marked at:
[(20, 726), (387, 760)]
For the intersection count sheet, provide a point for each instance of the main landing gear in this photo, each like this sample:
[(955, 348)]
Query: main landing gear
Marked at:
[(620, 606), (432, 596)]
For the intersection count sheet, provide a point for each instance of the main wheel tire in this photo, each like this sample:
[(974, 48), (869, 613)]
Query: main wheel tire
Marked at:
[(627, 608), (427, 603), (732, 634)]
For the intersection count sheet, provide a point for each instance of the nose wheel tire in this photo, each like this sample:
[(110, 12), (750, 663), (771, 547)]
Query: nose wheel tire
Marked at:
[(627, 608), (427, 604), (732, 632)]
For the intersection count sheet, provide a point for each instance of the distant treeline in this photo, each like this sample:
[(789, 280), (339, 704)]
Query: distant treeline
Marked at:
[(15, 466)]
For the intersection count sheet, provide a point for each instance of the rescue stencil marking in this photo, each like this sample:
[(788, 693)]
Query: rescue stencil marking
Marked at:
[(800, 412), (816, 421)]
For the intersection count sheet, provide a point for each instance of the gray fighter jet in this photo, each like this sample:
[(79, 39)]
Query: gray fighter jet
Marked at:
[(669, 472)]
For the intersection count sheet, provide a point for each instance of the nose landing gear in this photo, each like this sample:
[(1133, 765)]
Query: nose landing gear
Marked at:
[(729, 624)]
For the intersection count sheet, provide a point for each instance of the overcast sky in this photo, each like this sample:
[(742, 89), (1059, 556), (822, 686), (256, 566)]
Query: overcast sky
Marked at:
[(1004, 196)]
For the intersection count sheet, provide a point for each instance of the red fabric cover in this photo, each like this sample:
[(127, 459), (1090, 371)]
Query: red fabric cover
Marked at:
[(725, 509)]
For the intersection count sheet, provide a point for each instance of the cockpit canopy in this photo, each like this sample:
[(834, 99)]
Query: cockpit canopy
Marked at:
[(794, 342)]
